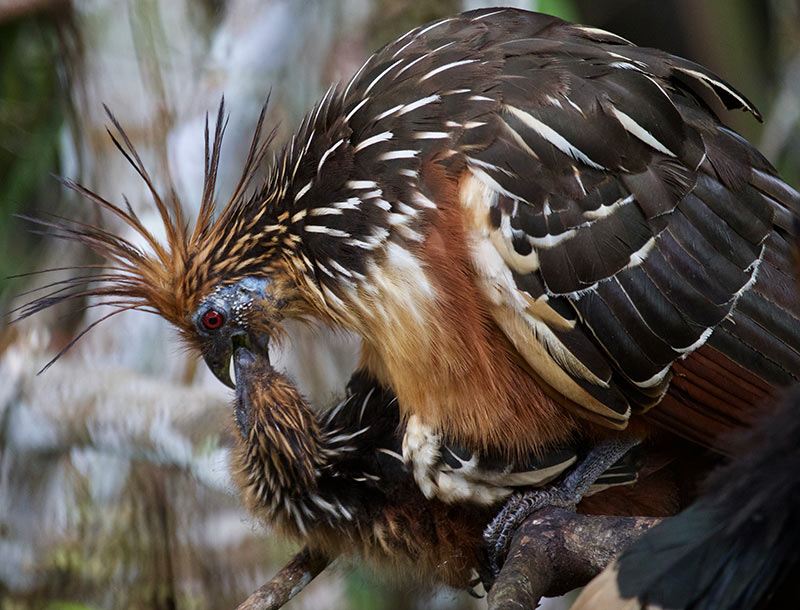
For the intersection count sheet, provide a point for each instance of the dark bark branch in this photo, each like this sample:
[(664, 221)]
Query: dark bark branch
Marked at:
[(287, 583), (557, 550), (553, 552)]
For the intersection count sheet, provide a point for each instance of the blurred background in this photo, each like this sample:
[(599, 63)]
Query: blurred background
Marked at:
[(114, 490)]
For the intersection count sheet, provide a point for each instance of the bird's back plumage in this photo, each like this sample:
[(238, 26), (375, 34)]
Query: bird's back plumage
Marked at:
[(503, 197)]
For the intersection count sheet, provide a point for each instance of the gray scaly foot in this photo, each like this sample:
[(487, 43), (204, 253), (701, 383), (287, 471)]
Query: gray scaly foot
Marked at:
[(564, 494)]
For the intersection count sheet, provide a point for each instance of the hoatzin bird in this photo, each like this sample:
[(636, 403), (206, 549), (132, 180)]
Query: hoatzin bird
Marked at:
[(336, 481), (541, 231), (737, 547)]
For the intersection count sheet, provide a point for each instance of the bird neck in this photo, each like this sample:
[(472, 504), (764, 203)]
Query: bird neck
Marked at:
[(289, 463), (280, 451)]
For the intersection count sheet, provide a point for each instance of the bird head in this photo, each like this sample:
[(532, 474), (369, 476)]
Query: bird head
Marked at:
[(233, 316), (198, 279), (290, 247)]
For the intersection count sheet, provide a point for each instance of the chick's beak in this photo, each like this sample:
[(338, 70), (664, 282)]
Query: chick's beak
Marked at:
[(249, 369)]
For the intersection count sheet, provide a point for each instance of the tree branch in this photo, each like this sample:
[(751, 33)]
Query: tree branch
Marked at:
[(556, 550), (553, 552), (287, 583)]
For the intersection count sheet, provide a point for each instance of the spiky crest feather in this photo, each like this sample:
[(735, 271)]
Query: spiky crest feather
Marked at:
[(170, 279)]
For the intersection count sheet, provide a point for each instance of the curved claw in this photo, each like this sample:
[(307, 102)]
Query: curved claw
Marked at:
[(566, 493)]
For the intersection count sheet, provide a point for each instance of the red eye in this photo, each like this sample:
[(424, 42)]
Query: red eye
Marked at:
[(212, 319)]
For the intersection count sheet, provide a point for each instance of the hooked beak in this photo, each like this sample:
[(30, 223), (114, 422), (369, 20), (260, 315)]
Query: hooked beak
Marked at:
[(218, 359), (219, 362)]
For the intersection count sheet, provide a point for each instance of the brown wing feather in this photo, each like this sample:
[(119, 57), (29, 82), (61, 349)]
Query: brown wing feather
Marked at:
[(701, 410), (631, 246)]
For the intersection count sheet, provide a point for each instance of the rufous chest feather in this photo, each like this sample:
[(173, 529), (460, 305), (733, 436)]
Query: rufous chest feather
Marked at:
[(433, 340)]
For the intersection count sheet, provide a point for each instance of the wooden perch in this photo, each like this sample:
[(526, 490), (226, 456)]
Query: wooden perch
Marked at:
[(557, 550), (287, 583), (553, 552)]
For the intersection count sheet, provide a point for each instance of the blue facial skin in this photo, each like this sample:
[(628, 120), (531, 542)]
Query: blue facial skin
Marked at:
[(235, 303), (233, 300)]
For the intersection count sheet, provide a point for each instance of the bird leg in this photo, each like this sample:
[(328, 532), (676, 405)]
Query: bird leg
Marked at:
[(567, 493)]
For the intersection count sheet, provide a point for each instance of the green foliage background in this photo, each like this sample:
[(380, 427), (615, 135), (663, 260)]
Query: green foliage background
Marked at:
[(31, 119)]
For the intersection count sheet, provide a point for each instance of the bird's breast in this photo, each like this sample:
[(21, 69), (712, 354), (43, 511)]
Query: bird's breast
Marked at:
[(430, 336)]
